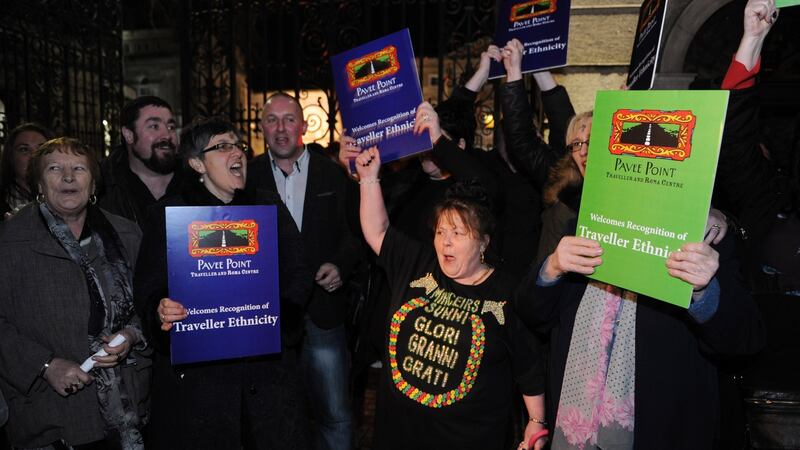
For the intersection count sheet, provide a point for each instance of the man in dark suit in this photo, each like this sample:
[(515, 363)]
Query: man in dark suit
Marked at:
[(314, 190)]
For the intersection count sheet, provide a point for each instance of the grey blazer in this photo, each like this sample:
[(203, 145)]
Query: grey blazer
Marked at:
[(44, 312)]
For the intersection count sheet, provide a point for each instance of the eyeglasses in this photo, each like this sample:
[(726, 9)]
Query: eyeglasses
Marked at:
[(227, 147), (577, 146)]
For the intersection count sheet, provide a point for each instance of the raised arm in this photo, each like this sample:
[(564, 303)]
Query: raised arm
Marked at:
[(744, 176), (372, 211), (759, 15), (478, 79), (528, 151)]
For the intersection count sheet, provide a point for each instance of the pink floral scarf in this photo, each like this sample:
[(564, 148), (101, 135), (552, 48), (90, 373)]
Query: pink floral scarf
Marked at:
[(596, 406)]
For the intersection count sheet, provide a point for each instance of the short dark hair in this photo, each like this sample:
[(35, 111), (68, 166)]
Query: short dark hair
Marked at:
[(130, 112), (7, 175), (470, 201), (64, 145), (196, 136)]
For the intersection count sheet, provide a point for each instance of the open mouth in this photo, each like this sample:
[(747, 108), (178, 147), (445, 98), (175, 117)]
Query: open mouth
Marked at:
[(281, 140), (165, 145), (236, 169)]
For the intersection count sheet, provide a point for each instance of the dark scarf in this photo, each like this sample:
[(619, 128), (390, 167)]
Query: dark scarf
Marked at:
[(110, 312)]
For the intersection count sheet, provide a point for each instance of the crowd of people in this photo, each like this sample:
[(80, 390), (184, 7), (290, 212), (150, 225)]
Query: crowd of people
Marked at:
[(458, 270)]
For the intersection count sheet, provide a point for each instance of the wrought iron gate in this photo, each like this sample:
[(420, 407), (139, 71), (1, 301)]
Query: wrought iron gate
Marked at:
[(235, 52), (61, 66)]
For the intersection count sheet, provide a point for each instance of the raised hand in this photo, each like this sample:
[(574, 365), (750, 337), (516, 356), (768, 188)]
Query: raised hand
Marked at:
[(512, 59), (368, 165), (427, 119)]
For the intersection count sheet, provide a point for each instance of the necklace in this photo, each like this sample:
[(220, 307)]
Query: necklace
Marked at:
[(483, 277)]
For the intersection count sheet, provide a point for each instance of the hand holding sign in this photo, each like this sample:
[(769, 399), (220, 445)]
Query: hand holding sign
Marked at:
[(695, 263), (348, 151), (512, 59), (573, 254), (427, 119), (170, 311)]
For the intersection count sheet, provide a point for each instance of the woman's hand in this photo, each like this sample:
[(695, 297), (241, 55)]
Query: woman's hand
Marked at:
[(530, 430), (66, 377), (573, 254), (481, 75), (759, 16), (512, 59), (695, 263), (716, 227), (348, 151), (368, 165), (170, 311), (427, 119), (119, 353)]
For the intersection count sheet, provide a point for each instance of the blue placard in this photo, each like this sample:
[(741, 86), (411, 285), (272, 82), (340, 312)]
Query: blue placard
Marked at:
[(543, 28), (378, 90), (646, 46), (223, 267)]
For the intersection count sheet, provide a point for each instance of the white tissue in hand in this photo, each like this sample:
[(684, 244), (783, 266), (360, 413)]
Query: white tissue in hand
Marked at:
[(89, 363)]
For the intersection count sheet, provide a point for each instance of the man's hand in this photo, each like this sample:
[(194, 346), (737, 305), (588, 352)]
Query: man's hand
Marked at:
[(328, 277)]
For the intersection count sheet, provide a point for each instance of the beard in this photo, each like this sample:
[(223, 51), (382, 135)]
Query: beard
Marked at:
[(159, 162)]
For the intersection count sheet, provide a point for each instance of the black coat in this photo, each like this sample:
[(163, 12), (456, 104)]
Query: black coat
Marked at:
[(123, 193), (677, 398), (207, 405), (326, 232), (765, 200), (531, 156), (150, 282)]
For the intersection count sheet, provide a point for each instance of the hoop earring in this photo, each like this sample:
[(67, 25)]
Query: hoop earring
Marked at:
[(93, 199), (40, 197)]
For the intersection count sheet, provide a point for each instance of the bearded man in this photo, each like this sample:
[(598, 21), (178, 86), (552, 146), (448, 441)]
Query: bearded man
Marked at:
[(146, 166)]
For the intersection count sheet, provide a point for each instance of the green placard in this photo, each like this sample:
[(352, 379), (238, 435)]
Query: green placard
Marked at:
[(649, 176), (785, 3)]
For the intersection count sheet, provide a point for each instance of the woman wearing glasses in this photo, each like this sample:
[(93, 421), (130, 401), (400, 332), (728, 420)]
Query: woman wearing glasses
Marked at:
[(561, 193), (250, 403)]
